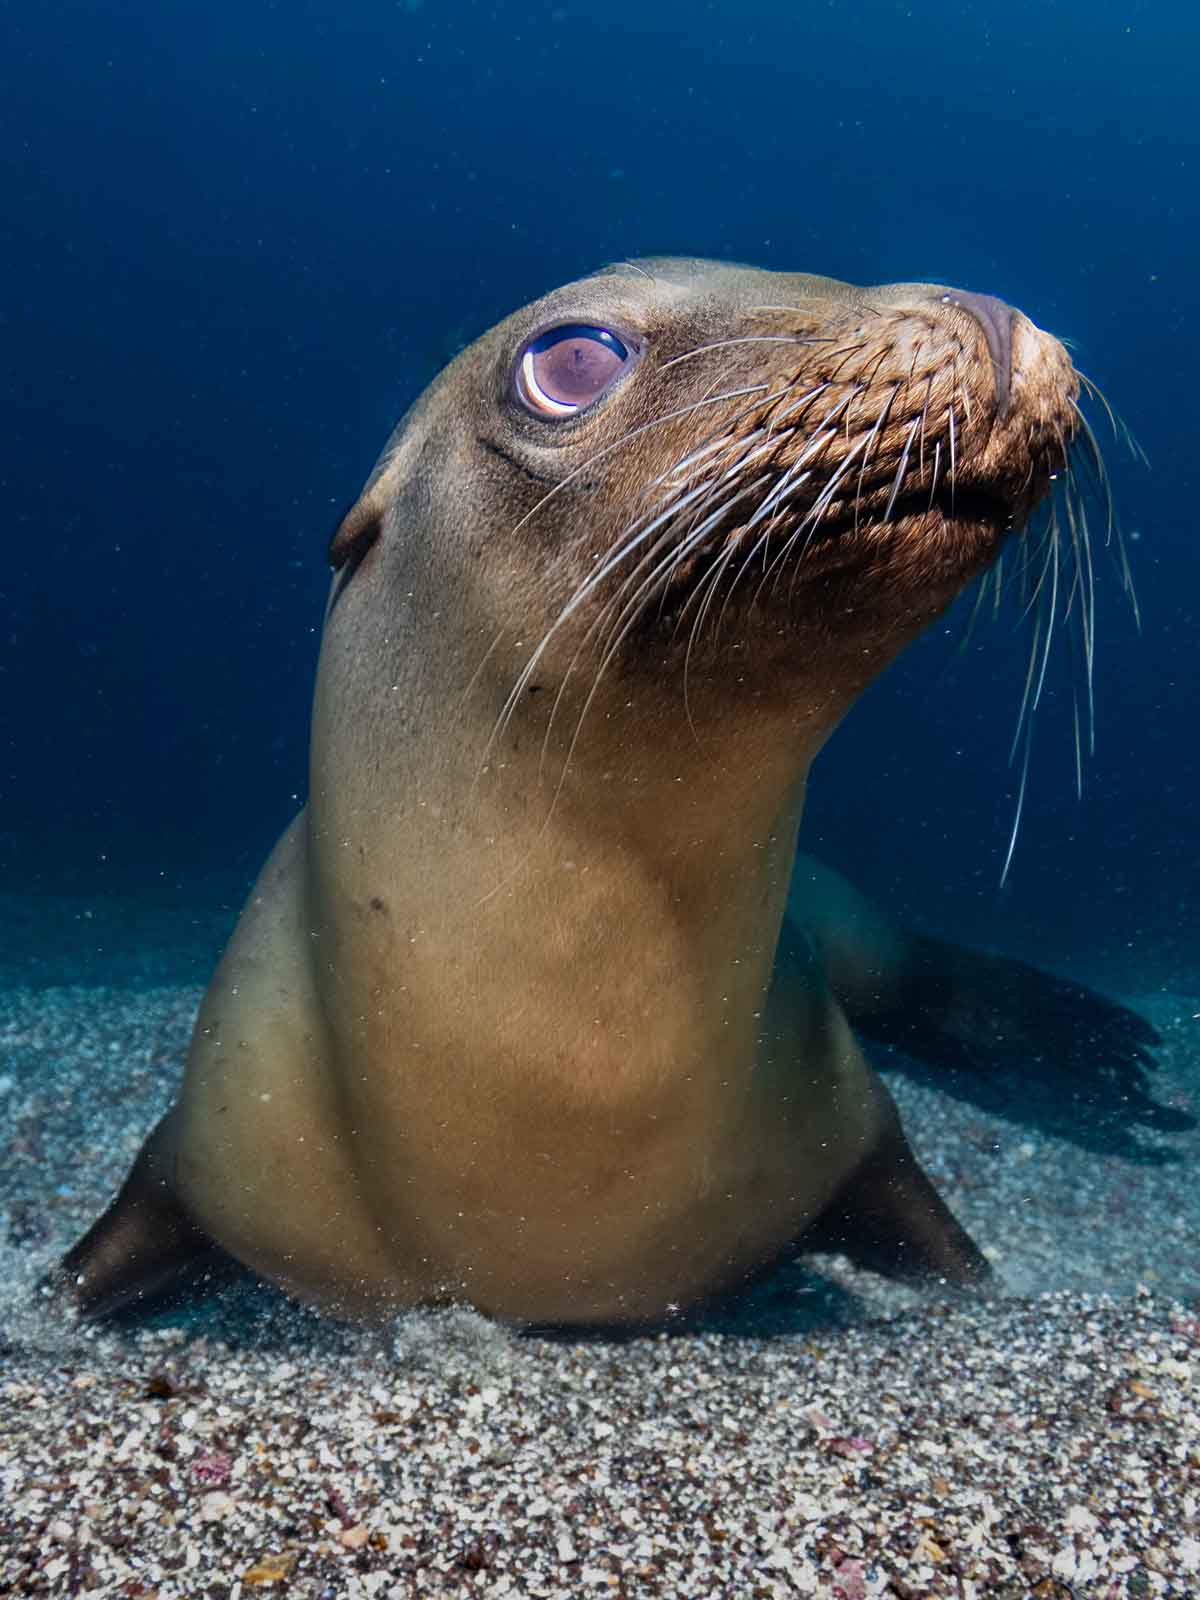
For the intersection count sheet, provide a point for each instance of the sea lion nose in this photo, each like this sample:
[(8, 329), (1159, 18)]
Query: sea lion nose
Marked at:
[(996, 320)]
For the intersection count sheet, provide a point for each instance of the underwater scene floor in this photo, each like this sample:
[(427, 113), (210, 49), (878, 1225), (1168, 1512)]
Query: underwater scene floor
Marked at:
[(836, 1435)]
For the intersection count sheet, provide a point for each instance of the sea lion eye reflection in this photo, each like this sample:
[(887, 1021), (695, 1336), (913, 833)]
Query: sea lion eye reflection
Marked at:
[(567, 369), (594, 1064)]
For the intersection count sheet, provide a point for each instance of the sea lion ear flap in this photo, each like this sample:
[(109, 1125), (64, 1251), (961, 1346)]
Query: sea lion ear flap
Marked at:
[(356, 533)]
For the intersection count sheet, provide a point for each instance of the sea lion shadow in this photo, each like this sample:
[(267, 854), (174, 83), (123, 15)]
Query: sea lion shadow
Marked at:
[(791, 1299), (1033, 1048), (1107, 1113), (226, 1303)]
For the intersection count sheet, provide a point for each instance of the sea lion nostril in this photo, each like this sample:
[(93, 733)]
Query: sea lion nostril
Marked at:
[(996, 319)]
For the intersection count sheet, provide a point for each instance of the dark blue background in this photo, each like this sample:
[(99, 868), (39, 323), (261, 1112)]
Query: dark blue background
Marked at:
[(237, 239)]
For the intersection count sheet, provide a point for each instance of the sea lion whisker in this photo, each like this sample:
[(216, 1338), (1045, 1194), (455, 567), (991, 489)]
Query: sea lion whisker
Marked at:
[(761, 543), (597, 624), (623, 604), (713, 520), (1003, 574), (695, 600), (918, 347), (872, 437), (1076, 511), (848, 415), (870, 376), (1095, 460), (790, 480), (807, 528), (595, 627), (1084, 480), (619, 554), (798, 403), (989, 578), (710, 449), (847, 353), (764, 543), (1044, 600), (902, 468), (700, 516), (924, 420), (1078, 611), (678, 551), (631, 611), (786, 485), (634, 266), (1086, 451), (1098, 482), (702, 452), (1018, 813), (1051, 612), (475, 676), (711, 583), (933, 480), (1027, 687), (715, 441), (838, 410), (789, 311), (630, 604), (633, 433), (725, 344), (1117, 423), (953, 457), (1081, 545), (736, 468), (703, 532), (701, 599), (1046, 548), (693, 458), (842, 472), (700, 508), (964, 395), (581, 592)]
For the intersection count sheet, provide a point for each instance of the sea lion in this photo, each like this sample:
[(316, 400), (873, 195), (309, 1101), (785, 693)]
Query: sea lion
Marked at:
[(513, 1014)]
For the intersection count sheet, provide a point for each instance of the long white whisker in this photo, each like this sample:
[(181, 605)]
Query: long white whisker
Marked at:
[(724, 344)]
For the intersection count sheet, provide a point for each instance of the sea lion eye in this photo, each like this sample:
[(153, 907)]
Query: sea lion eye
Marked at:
[(563, 371)]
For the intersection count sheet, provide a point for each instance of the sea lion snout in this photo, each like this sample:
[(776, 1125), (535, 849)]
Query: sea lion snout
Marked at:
[(995, 317)]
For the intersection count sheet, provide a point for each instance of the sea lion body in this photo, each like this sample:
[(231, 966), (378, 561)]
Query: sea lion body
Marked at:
[(512, 1015)]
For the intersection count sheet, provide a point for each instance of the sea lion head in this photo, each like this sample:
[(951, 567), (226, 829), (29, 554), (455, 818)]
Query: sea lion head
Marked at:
[(709, 477)]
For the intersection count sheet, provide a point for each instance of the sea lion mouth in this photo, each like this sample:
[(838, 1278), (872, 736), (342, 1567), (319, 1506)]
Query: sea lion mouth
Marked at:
[(958, 505), (968, 503), (938, 522), (845, 538)]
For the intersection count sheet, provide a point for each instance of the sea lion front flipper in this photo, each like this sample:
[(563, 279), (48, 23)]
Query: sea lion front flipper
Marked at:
[(889, 1218), (144, 1241)]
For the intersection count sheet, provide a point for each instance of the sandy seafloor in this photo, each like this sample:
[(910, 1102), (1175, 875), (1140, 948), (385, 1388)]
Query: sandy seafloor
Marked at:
[(837, 1436)]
